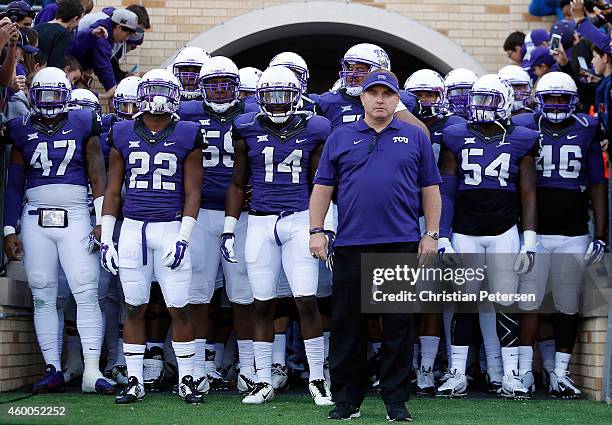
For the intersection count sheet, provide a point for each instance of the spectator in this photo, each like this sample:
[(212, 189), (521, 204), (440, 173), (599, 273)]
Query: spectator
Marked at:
[(541, 61), (533, 39), (56, 35), (22, 12), (133, 42), (512, 46), (546, 8), (49, 12), (25, 48), (73, 70)]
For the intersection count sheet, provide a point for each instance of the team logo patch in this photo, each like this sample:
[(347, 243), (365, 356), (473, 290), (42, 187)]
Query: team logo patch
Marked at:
[(400, 139), (382, 77), (347, 108), (469, 140), (205, 122), (32, 136), (134, 144), (263, 138)]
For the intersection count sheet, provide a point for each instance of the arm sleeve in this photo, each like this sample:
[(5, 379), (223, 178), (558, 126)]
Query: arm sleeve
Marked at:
[(591, 33), (96, 124), (327, 172), (14, 193), (102, 64), (428, 168)]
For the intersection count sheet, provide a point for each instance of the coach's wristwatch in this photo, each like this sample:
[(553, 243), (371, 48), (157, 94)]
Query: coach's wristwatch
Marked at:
[(434, 235)]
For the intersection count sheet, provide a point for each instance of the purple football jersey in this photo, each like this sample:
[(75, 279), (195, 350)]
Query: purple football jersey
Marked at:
[(569, 158), (55, 155), (154, 189), (280, 160), (219, 154)]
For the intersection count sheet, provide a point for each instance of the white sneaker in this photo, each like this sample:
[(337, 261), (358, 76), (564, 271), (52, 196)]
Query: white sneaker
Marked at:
[(279, 377), (246, 382), (261, 393), (425, 382), (455, 386), (529, 382), (562, 386), (512, 387), (320, 392), (188, 392), (133, 392), (202, 384)]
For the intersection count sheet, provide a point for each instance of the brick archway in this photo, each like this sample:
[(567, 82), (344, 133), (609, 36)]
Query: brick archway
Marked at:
[(325, 17)]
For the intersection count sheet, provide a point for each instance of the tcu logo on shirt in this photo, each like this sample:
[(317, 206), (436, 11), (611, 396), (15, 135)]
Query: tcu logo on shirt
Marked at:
[(400, 139)]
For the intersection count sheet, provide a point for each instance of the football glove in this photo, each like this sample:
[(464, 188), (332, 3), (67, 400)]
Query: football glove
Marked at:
[(331, 238), (175, 255), (109, 258), (92, 243), (524, 260), (595, 252), (227, 247), (446, 252)]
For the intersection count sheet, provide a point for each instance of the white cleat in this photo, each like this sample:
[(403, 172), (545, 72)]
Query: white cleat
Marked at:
[(203, 384), (562, 386), (320, 392), (455, 386), (245, 383), (529, 382), (280, 377), (261, 393), (425, 382), (513, 387), (134, 391)]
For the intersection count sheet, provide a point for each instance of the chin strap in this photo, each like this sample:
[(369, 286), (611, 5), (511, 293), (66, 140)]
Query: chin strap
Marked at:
[(504, 130)]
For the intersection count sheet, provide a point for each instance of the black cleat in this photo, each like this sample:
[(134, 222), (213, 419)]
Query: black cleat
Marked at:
[(133, 392), (344, 411), (397, 412)]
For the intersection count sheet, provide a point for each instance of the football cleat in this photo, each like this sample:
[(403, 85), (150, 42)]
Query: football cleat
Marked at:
[(119, 374), (188, 392), (397, 412), (73, 368), (262, 393), (455, 386), (246, 383), (425, 382), (95, 382), (217, 382), (494, 382), (153, 369), (320, 392), (202, 384), (52, 380), (529, 382), (562, 386), (512, 387), (280, 378), (345, 412), (134, 391)]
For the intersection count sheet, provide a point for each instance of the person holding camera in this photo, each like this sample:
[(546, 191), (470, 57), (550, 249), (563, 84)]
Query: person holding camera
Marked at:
[(21, 13)]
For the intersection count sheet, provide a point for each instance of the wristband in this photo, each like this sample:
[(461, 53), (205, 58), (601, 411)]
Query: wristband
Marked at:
[(187, 224), (530, 239), (108, 227), (98, 208), (316, 230), (229, 225)]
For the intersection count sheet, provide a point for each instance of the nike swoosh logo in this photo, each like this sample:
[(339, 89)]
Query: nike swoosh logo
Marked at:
[(169, 144), (66, 132), (358, 141), (300, 140), (571, 137), (437, 133)]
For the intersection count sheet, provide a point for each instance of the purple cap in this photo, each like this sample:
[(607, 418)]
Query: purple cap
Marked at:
[(565, 28), (21, 8), (539, 36), (539, 56), (382, 77), (24, 43)]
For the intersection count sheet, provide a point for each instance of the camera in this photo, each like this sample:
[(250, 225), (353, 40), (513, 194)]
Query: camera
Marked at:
[(13, 14)]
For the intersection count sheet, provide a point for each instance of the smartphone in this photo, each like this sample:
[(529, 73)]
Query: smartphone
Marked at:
[(582, 62), (555, 41)]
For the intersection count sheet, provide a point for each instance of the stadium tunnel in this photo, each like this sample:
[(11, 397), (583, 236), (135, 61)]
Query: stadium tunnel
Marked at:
[(322, 32)]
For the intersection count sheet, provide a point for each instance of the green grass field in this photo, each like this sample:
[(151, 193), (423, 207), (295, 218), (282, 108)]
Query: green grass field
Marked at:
[(226, 409)]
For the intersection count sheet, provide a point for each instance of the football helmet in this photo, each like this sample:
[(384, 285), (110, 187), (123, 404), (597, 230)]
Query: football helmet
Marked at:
[(296, 63), (84, 99), (278, 93), (219, 83), (458, 84), (521, 84), (557, 85), (364, 53), (186, 67), (159, 92), (427, 80), (490, 99), (248, 78), (125, 99), (50, 92)]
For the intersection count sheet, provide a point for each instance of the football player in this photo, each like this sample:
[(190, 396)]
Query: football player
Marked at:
[(277, 151), (248, 83), (56, 155), (160, 163), (458, 83), (570, 173), (84, 99), (219, 83), (488, 167), (186, 67), (521, 84), (298, 65), (428, 86)]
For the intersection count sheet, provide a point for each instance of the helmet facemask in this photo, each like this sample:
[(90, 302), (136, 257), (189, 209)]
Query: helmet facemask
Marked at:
[(187, 74), (85, 104), (557, 106), (522, 96), (125, 107), (458, 98), (278, 103), (49, 101), (158, 97), (427, 107), (352, 74), (219, 92), (485, 106)]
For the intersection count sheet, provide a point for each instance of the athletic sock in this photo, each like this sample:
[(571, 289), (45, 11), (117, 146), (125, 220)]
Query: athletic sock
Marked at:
[(510, 359), (429, 350), (263, 360), (279, 348), (199, 368), (546, 347), (209, 356), (562, 361), (134, 359), (246, 356), (185, 352), (525, 359), (219, 353), (459, 356), (315, 354)]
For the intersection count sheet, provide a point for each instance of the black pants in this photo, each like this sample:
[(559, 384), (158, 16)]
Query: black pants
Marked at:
[(349, 337)]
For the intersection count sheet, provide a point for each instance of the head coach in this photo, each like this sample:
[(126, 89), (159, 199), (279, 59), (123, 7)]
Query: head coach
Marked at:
[(383, 169)]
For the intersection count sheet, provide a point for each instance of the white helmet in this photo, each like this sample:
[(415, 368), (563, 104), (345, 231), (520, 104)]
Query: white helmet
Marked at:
[(219, 96), (159, 92), (431, 81), (278, 93), (50, 92), (296, 63), (84, 99), (192, 58), (520, 82), (125, 99), (490, 99), (248, 78), (458, 84), (562, 86), (364, 53)]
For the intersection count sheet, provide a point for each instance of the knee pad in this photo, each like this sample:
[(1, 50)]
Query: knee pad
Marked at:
[(464, 329), (324, 305), (283, 307), (507, 329), (86, 279)]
